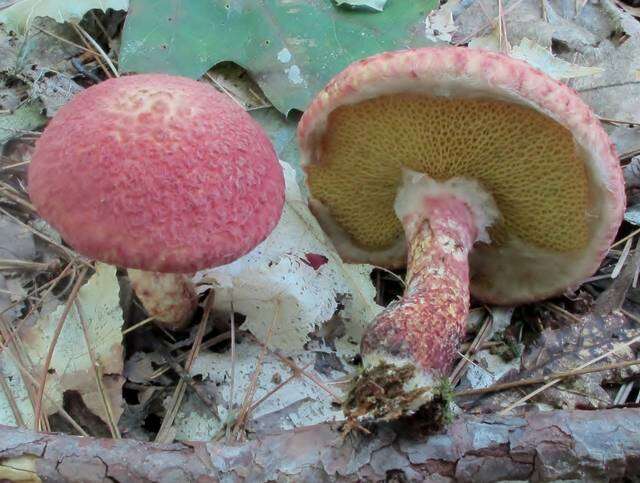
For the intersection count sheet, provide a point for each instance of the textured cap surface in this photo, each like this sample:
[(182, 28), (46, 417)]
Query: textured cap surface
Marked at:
[(157, 172), (457, 112)]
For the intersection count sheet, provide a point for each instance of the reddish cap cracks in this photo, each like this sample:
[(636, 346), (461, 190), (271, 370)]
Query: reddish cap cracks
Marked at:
[(159, 173), (458, 112)]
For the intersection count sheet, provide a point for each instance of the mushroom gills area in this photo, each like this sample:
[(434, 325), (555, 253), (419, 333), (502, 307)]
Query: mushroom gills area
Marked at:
[(527, 161)]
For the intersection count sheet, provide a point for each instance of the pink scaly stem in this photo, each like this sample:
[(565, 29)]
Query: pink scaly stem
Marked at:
[(425, 327)]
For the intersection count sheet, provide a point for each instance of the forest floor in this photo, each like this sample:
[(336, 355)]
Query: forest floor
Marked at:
[(253, 386)]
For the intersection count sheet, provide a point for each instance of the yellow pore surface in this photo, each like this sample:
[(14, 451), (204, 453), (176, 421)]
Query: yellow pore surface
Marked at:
[(527, 161)]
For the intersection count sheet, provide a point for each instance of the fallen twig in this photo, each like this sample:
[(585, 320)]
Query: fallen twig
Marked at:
[(578, 445), (540, 380)]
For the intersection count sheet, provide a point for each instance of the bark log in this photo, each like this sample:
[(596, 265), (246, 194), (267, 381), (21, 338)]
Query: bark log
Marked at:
[(599, 445)]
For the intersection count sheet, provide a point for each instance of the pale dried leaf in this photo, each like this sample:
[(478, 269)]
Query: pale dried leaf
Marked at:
[(439, 24), (539, 57), (19, 16), (294, 278), (488, 369), (17, 389), (544, 60), (299, 403), (54, 91), (71, 365)]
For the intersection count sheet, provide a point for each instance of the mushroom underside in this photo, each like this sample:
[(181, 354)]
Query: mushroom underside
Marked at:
[(547, 188)]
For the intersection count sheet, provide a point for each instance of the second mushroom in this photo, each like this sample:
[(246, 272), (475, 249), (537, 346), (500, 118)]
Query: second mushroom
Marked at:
[(162, 175), (478, 171)]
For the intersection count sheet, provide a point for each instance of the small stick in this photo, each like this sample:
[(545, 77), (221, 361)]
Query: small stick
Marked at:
[(564, 313), (138, 325), (24, 265), (69, 254), (179, 391), (623, 393), (61, 39), (294, 367), (485, 345), (79, 66), (96, 45), (233, 366), (490, 23), (12, 401), (14, 165), (623, 258), (186, 377), (245, 409), (52, 346), (95, 55), (555, 381), (541, 380), (457, 372), (14, 196), (205, 345), (296, 374), (52, 284), (619, 121), (59, 408), (113, 426)]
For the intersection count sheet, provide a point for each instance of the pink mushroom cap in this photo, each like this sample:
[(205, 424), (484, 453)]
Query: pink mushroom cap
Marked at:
[(159, 173)]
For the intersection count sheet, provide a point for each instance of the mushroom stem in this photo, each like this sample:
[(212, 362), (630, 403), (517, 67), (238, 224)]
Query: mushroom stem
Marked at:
[(169, 297), (410, 346)]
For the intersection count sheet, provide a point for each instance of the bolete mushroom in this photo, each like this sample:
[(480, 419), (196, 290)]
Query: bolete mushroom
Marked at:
[(160, 174), (491, 176)]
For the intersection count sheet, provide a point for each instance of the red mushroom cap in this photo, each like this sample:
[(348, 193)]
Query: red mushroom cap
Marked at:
[(159, 173)]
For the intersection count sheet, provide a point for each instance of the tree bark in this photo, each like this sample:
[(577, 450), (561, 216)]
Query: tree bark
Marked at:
[(599, 445)]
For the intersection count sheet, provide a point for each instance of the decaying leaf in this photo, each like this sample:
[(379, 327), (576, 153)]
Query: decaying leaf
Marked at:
[(573, 345), (23, 120), (375, 5), (300, 402), (569, 347), (539, 57), (546, 23), (16, 242), (553, 66), (54, 91), (71, 368), (615, 94), (632, 215), (20, 469), (38, 63), (488, 369), (294, 281), (291, 56), (19, 15), (439, 25)]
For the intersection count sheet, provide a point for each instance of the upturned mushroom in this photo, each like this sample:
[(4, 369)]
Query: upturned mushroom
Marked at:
[(482, 173), (160, 174)]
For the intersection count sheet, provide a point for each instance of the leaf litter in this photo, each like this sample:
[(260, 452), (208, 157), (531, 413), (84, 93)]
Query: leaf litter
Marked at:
[(71, 368), (294, 282), (278, 281)]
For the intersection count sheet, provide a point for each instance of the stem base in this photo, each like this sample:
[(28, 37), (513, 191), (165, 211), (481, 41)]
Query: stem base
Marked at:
[(387, 392)]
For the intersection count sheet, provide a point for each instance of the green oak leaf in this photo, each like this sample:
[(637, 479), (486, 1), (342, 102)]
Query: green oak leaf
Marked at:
[(375, 5), (282, 132), (291, 47)]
